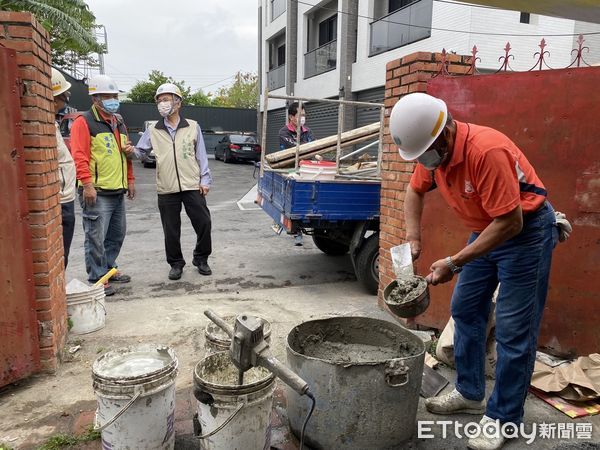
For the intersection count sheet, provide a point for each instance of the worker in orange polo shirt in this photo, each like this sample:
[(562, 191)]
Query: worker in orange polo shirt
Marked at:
[(492, 187)]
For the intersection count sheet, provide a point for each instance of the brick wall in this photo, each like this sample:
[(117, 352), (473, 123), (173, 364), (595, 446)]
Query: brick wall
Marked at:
[(20, 31), (403, 76)]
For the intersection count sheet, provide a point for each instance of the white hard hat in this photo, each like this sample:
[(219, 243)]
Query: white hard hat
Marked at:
[(416, 122), (102, 84), (168, 88), (59, 84)]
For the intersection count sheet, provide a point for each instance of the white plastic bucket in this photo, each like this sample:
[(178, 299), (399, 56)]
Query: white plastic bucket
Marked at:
[(232, 416), (135, 387), (218, 341), (317, 170), (86, 311)]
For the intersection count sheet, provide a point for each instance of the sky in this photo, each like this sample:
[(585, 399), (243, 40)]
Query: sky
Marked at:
[(201, 42)]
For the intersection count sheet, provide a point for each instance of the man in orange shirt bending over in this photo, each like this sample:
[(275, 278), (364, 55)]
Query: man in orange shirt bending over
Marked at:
[(496, 192)]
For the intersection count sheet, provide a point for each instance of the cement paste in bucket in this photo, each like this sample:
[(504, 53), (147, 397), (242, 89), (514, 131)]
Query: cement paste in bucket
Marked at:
[(232, 416), (85, 307), (135, 387), (366, 376), (218, 341)]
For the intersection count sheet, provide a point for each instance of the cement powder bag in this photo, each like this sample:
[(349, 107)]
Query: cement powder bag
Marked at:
[(445, 346)]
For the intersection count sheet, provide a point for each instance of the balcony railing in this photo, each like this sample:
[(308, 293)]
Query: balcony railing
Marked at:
[(276, 78), (402, 27), (320, 60), (277, 8)]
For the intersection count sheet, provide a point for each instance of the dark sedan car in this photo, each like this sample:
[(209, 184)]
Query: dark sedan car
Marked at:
[(234, 147)]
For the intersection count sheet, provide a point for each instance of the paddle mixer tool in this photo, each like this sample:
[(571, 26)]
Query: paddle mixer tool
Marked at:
[(250, 349)]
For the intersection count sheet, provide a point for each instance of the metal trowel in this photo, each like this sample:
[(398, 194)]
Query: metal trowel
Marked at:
[(402, 261)]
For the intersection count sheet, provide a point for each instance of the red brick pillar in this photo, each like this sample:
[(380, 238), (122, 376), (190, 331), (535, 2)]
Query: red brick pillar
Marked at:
[(403, 76), (20, 31)]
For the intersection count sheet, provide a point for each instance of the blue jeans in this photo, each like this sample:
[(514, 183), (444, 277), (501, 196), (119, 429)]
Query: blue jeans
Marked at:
[(522, 266), (104, 226)]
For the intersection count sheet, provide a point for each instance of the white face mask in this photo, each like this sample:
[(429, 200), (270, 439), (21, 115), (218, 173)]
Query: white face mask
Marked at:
[(165, 108), (302, 120)]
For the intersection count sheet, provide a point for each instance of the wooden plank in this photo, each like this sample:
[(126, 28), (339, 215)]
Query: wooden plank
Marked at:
[(323, 143), (289, 162)]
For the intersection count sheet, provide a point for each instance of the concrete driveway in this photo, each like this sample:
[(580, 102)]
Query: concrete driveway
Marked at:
[(255, 271), (247, 254)]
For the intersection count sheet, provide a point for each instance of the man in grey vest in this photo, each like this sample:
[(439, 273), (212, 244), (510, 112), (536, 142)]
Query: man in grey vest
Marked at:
[(182, 177)]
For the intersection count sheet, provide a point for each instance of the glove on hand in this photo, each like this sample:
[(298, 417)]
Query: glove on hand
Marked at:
[(564, 226)]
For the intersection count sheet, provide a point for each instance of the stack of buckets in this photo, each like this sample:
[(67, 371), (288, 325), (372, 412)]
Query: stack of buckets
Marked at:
[(317, 170), (85, 308), (229, 415)]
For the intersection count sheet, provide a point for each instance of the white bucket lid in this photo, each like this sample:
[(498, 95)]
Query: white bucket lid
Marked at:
[(130, 363)]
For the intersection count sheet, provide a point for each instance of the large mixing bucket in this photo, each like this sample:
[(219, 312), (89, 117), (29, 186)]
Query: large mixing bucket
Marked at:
[(366, 376)]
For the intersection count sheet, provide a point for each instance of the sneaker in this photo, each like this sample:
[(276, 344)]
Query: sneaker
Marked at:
[(489, 438), (109, 290), (453, 403), (203, 268), (175, 273), (120, 277)]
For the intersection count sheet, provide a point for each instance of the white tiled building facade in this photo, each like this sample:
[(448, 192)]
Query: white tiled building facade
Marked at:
[(308, 48)]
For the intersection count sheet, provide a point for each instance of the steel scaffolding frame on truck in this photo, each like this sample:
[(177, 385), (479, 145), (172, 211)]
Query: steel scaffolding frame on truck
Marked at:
[(341, 215)]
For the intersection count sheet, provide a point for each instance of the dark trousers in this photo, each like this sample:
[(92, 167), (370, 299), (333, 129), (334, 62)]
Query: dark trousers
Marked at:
[(169, 206), (68, 225)]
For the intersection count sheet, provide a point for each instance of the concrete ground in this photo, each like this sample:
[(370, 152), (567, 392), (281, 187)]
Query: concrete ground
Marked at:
[(256, 272)]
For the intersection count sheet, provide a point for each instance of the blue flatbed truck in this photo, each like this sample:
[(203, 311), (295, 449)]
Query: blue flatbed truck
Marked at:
[(342, 216)]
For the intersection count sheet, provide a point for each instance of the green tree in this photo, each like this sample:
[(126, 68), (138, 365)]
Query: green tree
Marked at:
[(243, 93), (144, 91), (71, 26), (199, 98)]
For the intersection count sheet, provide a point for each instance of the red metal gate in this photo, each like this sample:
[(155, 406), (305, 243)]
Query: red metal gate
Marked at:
[(552, 116), (19, 349)]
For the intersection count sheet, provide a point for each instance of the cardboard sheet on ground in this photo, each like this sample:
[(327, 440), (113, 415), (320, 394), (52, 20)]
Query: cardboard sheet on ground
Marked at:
[(577, 381), (571, 409)]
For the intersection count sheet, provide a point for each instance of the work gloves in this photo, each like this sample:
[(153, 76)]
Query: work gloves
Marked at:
[(564, 226)]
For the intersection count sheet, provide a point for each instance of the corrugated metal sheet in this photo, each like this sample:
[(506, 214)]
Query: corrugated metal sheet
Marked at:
[(209, 118), (367, 116), (322, 118), (275, 120)]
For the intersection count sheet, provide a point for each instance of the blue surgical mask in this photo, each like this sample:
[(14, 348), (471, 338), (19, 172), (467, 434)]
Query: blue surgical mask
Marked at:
[(111, 105)]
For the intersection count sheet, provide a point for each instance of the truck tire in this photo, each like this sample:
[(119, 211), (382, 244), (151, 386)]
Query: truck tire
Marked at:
[(330, 246), (367, 264)]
